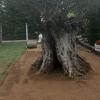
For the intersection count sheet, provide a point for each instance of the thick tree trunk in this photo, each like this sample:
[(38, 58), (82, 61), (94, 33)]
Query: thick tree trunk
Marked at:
[(45, 62), (60, 48), (68, 56)]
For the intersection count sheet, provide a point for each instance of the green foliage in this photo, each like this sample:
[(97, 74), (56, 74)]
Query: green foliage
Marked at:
[(71, 14), (15, 13), (94, 22)]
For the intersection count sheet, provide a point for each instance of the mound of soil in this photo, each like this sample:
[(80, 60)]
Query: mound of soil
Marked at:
[(21, 84)]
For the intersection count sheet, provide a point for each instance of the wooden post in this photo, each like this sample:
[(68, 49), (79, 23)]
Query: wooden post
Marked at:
[(26, 32), (0, 32)]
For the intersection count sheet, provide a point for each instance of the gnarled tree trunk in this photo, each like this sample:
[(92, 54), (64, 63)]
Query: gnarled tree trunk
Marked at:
[(60, 48)]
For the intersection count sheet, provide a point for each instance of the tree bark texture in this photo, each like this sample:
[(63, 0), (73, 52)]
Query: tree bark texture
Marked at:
[(59, 49)]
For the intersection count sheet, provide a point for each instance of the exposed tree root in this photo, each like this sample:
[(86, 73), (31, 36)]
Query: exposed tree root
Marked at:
[(37, 64), (60, 49), (78, 69)]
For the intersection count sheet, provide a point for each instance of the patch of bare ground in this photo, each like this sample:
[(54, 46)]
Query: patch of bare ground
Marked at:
[(21, 84)]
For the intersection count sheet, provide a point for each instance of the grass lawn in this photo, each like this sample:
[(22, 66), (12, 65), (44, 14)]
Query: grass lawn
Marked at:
[(9, 53)]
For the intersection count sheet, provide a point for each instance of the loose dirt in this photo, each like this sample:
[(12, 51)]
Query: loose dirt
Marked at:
[(21, 84)]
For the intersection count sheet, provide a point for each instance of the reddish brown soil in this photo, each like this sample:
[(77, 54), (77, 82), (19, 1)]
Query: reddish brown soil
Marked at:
[(21, 85)]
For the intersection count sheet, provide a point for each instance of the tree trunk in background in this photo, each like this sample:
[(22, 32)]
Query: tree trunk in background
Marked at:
[(60, 48), (0, 33)]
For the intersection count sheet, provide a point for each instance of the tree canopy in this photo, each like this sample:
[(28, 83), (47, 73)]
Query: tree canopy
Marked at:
[(16, 13)]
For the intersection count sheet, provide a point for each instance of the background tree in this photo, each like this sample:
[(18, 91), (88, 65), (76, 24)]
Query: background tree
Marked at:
[(17, 13), (15, 16), (1, 15), (0, 32), (93, 16)]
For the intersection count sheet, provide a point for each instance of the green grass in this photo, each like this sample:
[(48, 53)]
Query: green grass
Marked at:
[(9, 54)]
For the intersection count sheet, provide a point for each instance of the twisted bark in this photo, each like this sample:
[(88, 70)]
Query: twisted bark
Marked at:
[(59, 48)]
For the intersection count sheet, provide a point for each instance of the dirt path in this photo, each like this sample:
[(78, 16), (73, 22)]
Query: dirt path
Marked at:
[(19, 85)]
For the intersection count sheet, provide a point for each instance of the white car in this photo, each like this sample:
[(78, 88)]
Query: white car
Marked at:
[(97, 46)]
